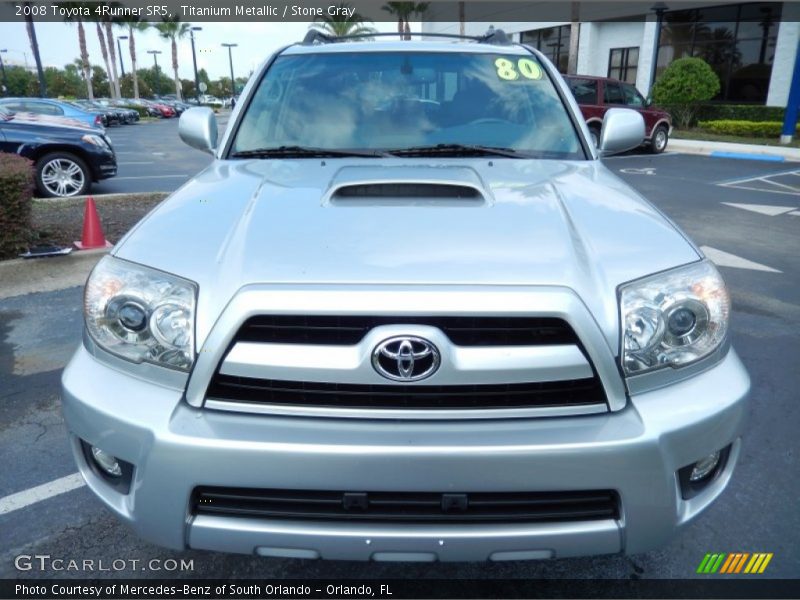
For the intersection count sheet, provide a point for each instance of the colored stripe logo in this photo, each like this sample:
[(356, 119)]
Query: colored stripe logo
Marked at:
[(735, 562)]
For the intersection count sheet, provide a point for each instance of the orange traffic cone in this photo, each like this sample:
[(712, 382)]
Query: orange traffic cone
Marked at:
[(92, 229)]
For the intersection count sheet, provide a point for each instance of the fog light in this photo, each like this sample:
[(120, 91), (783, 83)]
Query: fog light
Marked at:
[(106, 462), (704, 467)]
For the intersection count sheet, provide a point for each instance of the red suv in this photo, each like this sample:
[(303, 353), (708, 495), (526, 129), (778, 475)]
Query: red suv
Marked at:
[(595, 95)]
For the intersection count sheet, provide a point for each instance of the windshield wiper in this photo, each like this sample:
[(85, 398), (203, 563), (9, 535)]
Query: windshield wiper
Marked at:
[(304, 151), (455, 150)]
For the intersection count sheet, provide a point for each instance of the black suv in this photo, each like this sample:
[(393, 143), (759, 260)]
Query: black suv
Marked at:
[(68, 155)]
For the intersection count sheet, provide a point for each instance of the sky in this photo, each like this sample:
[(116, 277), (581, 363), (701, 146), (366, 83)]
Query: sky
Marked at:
[(58, 45)]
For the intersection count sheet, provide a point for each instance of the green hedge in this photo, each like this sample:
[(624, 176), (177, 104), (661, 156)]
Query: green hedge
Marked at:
[(739, 112), (140, 109), (16, 191), (743, 128)]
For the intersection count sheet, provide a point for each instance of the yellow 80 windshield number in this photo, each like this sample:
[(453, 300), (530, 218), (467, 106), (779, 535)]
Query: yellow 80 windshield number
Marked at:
[(526, 68)]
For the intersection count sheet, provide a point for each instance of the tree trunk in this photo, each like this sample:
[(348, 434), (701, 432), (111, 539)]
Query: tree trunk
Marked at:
[(175, 70), (85, 66), (462, 18), (132, 47), (104, 51), (35, 48), (407, 31), (112, 51)]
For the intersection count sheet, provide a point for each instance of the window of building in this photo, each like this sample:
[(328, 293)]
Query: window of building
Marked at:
[(623, 64), (738, 41), (553, 42)]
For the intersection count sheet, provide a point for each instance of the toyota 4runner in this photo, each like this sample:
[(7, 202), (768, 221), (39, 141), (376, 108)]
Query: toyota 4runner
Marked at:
[(406, 314)]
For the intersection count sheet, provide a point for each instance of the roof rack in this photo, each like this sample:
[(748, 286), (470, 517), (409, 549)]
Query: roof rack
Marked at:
[(492, 36)]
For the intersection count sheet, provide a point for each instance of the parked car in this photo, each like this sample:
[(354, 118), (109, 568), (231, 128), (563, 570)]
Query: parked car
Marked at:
[(110, 115), (125, 115), (54, 108), (400, 320), (68, 155), (595, 95)]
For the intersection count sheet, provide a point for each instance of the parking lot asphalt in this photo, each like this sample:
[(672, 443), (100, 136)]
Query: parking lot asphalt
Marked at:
[(151, 157), (744, 214)]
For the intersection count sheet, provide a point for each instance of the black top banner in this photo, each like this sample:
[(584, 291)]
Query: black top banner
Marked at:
[(303, 11), (146, 589)]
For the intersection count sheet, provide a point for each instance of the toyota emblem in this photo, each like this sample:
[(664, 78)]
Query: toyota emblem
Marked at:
[(405, 358)]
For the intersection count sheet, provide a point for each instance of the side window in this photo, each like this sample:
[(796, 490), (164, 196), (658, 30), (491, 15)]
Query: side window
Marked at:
[(632, 96), (612, 94), (43, 108), (15, 106), (584, 90)]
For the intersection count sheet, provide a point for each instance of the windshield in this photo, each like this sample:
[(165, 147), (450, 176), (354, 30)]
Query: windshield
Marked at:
[(387, 101)]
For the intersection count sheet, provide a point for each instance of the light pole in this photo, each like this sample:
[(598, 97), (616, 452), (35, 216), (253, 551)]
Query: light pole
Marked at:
[(3, 69), (230, 61), (155, 54), (659, 8), (119, 48), (194, 63)]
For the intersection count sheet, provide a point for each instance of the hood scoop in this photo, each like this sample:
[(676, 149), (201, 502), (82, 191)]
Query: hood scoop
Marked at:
[(407, 186)]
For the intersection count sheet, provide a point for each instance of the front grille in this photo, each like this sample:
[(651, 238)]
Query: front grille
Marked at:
[(462, 331), (302, 393), (406, 506)]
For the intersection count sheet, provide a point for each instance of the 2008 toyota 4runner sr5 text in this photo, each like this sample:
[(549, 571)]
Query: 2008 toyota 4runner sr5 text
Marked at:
[(406, 314)]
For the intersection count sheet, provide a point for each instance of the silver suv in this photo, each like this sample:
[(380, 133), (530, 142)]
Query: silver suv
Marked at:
[(406, 314)]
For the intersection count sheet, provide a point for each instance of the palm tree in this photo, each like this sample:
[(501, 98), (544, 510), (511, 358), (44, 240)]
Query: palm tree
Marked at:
[(35, 48), (104, 52), (83, 62), (173, 30), (342, 25), (404, 11), (133, 24), (112, 52)]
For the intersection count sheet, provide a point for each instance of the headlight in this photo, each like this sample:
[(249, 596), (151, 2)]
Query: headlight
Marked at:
[(141, 314), (673, 318), (96, 140)]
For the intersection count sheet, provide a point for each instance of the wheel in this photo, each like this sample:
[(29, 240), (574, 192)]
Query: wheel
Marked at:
[(594, 135), (61, 175), (659, 139)]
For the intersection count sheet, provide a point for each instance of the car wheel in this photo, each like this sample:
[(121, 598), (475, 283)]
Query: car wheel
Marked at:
[(61, 175), (594, 135), (659, 140)]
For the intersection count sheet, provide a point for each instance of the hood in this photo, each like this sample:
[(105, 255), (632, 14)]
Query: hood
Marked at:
[(464, 221)]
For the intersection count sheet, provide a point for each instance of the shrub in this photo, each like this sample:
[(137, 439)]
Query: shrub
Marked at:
[(743, 128), (683, 86), (16, 190), (739, 112), (140, 109)]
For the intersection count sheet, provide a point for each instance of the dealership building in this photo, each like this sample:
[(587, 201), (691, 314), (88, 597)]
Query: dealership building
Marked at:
[(751, 46)]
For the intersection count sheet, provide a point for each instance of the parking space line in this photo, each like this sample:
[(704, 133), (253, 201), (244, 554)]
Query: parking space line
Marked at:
[(752, 189), (783, 185), (36, 494), (754, 177)]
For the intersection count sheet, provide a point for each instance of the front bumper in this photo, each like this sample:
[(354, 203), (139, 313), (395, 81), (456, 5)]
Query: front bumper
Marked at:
[(175, 447)]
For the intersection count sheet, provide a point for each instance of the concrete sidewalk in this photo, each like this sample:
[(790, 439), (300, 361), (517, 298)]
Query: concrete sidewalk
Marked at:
[(735, 150), (28, 275)]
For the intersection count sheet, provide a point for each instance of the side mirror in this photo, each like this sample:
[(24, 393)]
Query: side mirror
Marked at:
[(623, 129), (198, 128), (648, 102)]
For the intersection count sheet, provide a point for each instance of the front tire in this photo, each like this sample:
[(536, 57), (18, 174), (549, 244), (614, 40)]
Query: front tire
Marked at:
[(659, 140), (62, 175)]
